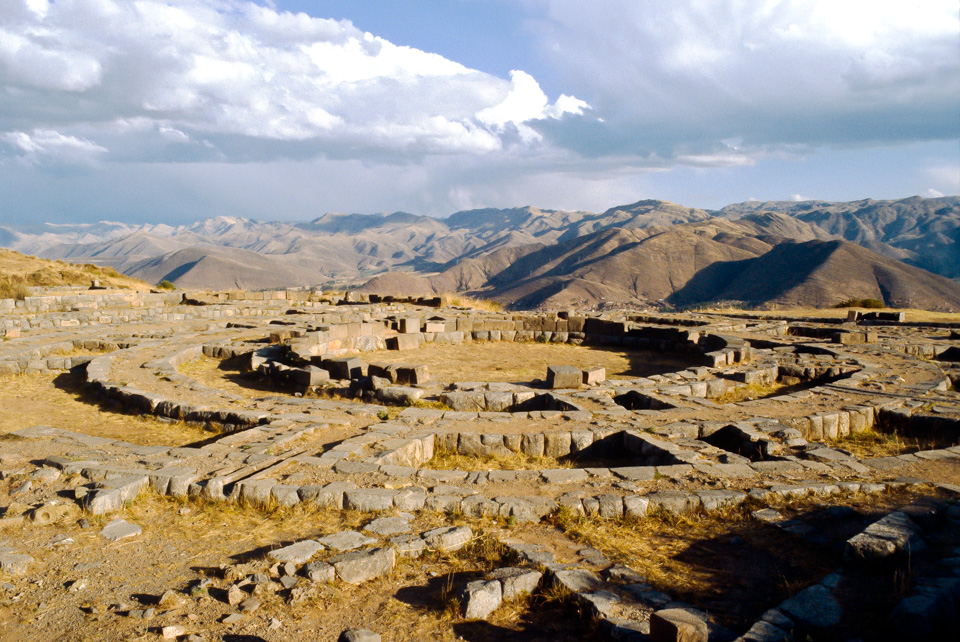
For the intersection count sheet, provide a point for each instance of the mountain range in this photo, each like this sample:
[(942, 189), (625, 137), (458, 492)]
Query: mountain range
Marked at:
[(905, 252)]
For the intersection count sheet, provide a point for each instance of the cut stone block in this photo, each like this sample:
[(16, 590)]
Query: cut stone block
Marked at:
[(448, 539), (346, 540), (120, 529), (296, 553), (677, 625), (563, 377), (360, 566), (481, 598), (516, 582), (593, 376)]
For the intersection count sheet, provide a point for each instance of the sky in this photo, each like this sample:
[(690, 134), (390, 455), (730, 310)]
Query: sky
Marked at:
[(177, 110)]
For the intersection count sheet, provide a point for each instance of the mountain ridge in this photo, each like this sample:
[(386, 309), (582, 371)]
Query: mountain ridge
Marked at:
[(492, 248)]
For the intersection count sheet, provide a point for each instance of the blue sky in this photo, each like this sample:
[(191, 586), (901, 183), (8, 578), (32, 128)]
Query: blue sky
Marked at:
[(172, 111)]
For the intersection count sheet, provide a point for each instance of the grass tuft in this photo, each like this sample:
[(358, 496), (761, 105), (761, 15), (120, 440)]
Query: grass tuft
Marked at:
[(445, 460)]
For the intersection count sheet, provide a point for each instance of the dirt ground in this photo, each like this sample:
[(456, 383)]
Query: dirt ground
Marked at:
[(524, 362), (56, 400)]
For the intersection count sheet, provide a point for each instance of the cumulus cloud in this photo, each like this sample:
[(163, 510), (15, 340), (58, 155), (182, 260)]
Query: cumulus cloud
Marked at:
[(45, 144), (232, 80), (677, 78)]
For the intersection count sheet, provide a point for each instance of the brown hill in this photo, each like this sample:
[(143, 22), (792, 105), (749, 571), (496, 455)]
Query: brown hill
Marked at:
[(924, 232), (20, 273), (755, 260), (222, 268), (821, 274)]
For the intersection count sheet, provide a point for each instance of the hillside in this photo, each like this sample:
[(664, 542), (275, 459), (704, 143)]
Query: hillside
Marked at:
[(645, 252), (19, 273), (760, 259), (924, 232)]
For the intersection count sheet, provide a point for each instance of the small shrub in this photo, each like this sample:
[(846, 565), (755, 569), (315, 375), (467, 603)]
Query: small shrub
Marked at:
[(462, 301), (166, 285), (13, 289), (873, 304)]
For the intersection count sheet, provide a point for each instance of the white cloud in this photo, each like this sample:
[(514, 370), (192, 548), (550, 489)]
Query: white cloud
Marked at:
[(932, 193), (527, 102), (43, 144), (223, 71), (945, 177), (679, 77)]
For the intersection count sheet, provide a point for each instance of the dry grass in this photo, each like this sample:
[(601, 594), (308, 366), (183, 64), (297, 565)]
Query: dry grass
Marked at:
[(451, 300), (58, 401), (749, 392), (21, 272), (913, 315), (443, 460), (725, 562), (879, 444)]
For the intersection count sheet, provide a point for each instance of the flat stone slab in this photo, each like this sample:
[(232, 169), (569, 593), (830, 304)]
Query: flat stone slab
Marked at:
[(346, 540), (447, 540), (120, 529), (563, 475), (359, 566), (386, 526), (296, 553), (814, 607), (577, 580)]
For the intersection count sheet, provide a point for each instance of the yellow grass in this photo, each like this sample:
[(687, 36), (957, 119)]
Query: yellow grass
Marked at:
[(443, 460), (912, 315), (58, 401), (451, 299), (20, 272)]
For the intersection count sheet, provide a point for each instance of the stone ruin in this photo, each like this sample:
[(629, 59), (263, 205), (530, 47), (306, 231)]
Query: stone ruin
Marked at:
[(759, 418)]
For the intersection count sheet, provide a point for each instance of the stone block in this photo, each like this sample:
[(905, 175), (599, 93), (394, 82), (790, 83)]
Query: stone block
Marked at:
[(404, 342), (320, 572), (576, 580), (409, 499), (480, 598), (369, 499), (346, 540), (516, 582), (448, 539), (359, 635), (120, 529), (677, 625), (593, 376), (532, 444), (409, 545), (329, 496), (361, 566), (464, 401), (413, 374), (814, 608), (297, 553), (556, 444), (563, 377)]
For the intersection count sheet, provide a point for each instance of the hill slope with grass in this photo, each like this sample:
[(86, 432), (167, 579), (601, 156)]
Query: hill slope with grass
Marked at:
[(20, 274)]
